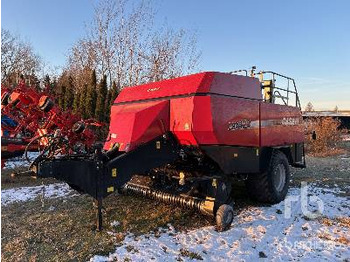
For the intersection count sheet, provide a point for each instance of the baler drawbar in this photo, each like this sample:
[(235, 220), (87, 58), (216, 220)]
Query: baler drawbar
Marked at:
[(193, 136)]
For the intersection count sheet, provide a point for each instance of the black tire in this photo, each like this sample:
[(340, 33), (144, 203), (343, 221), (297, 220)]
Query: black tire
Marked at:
[(47, 105), (5, 98), (78, 127), (12, 102), (224, 217), (270, 186)]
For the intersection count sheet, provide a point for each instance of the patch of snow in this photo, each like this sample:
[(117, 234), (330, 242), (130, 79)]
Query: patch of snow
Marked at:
[(20, 161), (21, 194), (256, 232), (115, 223)]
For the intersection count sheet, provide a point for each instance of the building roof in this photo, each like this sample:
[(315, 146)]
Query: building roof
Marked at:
[(339, 113)]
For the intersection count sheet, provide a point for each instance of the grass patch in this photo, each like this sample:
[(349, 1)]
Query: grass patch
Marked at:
[(339, 221), (10, 181), (63, 229), (191, 255)]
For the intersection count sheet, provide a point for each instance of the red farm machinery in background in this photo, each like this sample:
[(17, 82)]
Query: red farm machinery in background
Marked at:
[(31, 121), (192, 137)]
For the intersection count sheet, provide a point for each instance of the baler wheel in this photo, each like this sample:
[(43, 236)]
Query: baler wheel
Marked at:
[(272, 185), (224, 217)]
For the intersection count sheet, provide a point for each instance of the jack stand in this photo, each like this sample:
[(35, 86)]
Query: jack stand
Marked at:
[(98, 207)]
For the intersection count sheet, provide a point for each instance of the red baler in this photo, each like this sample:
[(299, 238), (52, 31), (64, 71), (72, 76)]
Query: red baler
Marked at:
[(194, 135)]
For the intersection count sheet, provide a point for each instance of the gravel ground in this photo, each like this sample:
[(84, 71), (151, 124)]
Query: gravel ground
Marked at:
[(326, 172)]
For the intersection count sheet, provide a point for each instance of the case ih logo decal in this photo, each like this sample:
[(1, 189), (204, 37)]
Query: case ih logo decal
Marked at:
[(247, 123), (285, 121), (242, 124), (153, 89), (290, 121)]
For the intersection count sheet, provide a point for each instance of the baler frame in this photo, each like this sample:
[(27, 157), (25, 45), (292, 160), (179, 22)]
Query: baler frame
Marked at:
[(239, 143), (288, 91), (100, 175)]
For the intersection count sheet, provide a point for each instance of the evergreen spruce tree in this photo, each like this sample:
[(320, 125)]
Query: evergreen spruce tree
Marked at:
[(94, 93), (47, 83), (53, 89), (76, 102), (111, 96), (101, 100), (107, 108), (61, 97), (82, 102), (33, 81), (69, 95), (90, 102), (114, 92)]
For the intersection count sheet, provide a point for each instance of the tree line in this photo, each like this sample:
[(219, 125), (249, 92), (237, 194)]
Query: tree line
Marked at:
[(94, 100)]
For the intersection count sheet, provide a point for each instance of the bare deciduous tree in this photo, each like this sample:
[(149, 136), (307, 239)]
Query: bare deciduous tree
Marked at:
[(170, 54), (122, 43), (17, 57)]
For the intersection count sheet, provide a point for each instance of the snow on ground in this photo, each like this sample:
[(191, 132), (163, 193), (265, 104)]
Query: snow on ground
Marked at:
[(20, 161), (20, 194), (256, 233)]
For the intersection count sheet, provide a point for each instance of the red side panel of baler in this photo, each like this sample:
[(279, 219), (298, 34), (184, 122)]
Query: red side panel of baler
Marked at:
[(235, 121), (181, 120), (135, 124), (205, 120), (280, 125)]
